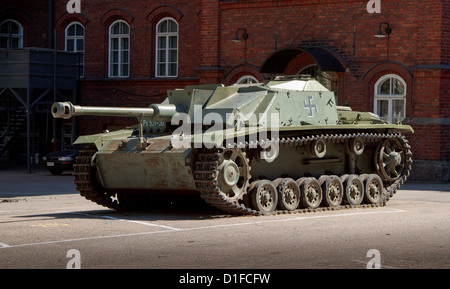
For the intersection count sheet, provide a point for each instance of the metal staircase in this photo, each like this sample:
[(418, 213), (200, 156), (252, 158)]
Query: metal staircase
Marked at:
[(13, 122)]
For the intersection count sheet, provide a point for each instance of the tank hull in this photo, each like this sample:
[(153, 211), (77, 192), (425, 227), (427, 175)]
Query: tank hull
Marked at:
[(162, 168), (119, 169)]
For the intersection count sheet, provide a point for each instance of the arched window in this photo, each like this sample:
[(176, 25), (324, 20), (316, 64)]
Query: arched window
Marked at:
[(11, 34), (167, 48), (329, 79), (119, 49), (247, 79), (75, 42), (390, 98)]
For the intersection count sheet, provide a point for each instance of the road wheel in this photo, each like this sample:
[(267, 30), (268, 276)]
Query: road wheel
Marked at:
[(373, 187), (332, 191), (264, 196), (288, 194), (353, 190), (310, 193)]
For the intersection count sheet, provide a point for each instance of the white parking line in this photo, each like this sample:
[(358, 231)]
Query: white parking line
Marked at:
[(141, 223), (125, 220), (172, 229), (3, 245), (297, 219), (85, 239), (381, 265)]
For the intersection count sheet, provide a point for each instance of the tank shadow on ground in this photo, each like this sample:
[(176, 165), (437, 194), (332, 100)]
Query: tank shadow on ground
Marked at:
[(183, 208)]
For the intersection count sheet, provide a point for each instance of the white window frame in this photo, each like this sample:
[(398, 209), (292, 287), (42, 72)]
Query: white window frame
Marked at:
[(10, 35), (247, 79), (75, 38), (120, 61), (389, 97), (166, 35)]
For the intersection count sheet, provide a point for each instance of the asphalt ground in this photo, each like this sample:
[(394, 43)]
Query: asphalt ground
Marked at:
[(44, 223)]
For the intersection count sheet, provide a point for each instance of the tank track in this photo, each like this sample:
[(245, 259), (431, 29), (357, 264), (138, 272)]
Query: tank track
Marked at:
[(206, 173), (86, 182)]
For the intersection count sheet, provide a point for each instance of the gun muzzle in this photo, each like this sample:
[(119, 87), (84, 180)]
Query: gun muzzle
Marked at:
[(62, 110)]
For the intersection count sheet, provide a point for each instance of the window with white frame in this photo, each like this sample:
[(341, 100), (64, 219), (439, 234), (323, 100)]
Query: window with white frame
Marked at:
[(247, 79), (75, 42), (390, 98), (119, 49), (11, 34), (167, 48)]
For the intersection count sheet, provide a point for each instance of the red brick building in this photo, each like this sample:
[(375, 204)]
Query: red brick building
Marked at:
[(133, 51)]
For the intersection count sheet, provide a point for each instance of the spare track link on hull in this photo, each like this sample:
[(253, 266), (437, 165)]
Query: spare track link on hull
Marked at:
[(206, 173)]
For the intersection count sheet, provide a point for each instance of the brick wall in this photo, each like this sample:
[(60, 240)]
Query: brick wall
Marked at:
[(418, 50), (33, 16), (210, 70), (142, 17)]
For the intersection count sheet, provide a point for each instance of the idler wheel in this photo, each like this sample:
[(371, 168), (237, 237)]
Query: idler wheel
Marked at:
[(264, 196), (310, 192), (288, 194), (390, 159)]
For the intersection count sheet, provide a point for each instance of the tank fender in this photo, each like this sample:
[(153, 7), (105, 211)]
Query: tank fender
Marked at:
[(99, 139)]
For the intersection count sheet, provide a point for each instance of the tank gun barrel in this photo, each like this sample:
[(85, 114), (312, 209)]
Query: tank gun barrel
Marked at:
[(156, 112)]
